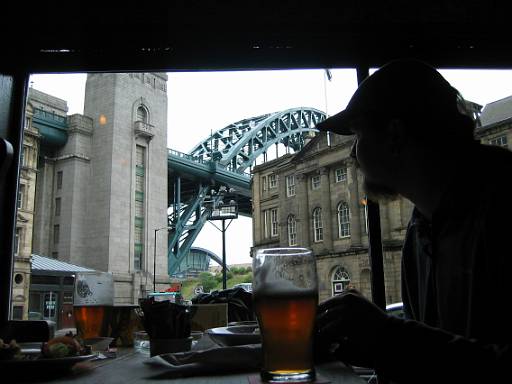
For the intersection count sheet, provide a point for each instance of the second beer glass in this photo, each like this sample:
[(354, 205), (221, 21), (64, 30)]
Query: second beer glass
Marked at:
[(285, 293)]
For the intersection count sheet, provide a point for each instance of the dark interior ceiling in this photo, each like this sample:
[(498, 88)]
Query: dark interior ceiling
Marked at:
[(234, 34)]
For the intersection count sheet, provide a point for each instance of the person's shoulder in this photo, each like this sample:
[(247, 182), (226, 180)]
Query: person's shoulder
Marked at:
[(494, 165), (493, 160)]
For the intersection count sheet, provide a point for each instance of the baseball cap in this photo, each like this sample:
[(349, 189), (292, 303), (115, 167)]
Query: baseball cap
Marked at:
[(401, 88)]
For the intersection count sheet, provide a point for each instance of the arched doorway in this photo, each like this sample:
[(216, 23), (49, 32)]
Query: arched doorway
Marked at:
[(339, 280)]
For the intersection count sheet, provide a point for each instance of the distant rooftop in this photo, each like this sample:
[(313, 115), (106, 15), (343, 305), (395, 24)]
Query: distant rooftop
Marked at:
[(44, 99), (41, 263), (496, 112)]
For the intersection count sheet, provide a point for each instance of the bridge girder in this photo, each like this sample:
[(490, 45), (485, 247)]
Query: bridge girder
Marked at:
[(222, 159), (239, 144)]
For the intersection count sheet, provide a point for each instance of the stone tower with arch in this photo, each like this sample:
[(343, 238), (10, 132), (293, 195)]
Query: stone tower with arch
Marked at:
[(110, 181)]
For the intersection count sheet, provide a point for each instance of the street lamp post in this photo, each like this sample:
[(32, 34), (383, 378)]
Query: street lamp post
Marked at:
[(224, 272), (221, 210), (154, 257)]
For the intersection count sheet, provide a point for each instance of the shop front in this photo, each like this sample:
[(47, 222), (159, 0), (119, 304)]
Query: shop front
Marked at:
[(51, 290)]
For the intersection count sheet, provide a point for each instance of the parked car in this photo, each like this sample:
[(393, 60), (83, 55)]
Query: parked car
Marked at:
[(246, 286), (395, 309), (35, 316)]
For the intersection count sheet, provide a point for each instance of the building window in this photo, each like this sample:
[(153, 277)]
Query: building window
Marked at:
[(56, 234), (317, 225), (137, 257), (17, 241), (22, 157), (290, 185), (139, 209), (25, 157), (18, 278), (57, 206), (139, 235), (341, 174), (59, 180), (142, 114), (500, 141), (265, 224), (140, 156), (274, 224), (315, 182), (140, 183), (340, 280), (264, 183), (17, 312), (292, 230), (343, 220), (272, 181), (21, 196)]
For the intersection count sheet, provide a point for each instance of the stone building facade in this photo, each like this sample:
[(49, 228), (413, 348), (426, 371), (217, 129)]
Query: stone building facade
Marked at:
[(25, 217), (102, 191), (495, 126), (314, 199)]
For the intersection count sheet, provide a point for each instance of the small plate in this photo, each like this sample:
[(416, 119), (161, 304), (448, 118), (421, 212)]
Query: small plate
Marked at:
[(233, 323), (40, 367), (235, 335), (99, 343)]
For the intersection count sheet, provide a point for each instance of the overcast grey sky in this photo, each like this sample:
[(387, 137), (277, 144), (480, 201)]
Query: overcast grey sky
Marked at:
[(201, 102)]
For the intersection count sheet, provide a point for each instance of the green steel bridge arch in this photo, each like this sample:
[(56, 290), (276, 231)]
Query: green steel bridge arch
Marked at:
[(239, 144), (223, 158)]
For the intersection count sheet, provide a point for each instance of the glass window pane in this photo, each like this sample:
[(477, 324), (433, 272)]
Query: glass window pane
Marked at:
[(120, 183)]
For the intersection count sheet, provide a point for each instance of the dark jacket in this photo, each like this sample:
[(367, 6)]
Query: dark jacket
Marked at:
[(456, 279)]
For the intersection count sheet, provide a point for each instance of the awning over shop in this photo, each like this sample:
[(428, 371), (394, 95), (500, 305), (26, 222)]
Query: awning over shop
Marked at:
[(46, 265)]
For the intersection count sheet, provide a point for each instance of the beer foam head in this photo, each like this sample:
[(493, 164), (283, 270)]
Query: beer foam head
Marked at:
[(283, 288), (277, 276)]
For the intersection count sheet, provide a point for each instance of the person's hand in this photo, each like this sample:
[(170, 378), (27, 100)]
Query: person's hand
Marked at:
[(349, 326)]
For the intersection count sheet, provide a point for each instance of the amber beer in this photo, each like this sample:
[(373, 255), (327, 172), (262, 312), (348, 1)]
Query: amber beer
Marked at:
[(286, 323), (285, 298), (93, 303)]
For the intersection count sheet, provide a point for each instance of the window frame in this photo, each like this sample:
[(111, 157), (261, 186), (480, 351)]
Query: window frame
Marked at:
[(318, 227), (59, 181), (290, 186), (145, 116), (266, 232), (58, 206), (339, 277), (343, 215), (499, 141), (17, 240), (274, 222), (314, 184), (342, 176), (272, 181), (21, 196), (56, 234), (292, 230)]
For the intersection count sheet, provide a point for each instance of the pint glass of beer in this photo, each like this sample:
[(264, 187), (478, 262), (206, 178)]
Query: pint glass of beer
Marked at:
[(285, 293), (93, 301)]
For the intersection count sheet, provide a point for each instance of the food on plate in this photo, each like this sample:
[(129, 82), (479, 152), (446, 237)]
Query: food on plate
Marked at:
[(62, 346), (9, 350)]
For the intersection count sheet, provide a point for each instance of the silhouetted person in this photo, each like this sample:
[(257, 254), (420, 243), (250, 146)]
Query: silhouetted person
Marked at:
[(414, 138)]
